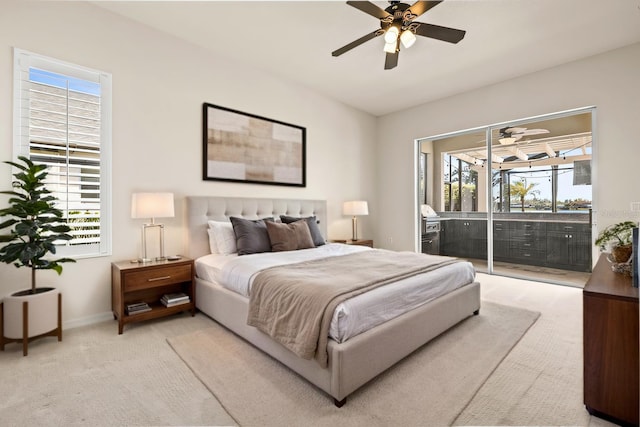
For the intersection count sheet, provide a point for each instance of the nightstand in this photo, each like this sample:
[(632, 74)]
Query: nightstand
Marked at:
[(148, 282), (359, 242)]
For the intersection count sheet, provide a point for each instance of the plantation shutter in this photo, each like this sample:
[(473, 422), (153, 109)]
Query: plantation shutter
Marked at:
[(62, 126)]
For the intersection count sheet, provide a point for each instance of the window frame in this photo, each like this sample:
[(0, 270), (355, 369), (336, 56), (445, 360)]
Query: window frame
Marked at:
[(23, 60)]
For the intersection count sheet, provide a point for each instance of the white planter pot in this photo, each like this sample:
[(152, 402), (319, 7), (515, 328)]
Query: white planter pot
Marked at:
[(42, 314)]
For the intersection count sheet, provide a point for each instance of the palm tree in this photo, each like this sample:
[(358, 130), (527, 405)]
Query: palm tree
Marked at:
[(521, 190)]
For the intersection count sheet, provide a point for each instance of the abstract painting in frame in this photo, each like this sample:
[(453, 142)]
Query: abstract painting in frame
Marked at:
[(242, 147)]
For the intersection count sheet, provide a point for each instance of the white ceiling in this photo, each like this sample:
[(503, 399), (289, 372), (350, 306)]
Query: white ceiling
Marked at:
[(294, 40)]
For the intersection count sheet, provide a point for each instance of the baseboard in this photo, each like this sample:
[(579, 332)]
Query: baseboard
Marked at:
[(85, 321)]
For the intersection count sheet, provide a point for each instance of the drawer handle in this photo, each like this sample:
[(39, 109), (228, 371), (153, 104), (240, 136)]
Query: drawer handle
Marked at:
[(155, 279), (527, 244), (528, 234)]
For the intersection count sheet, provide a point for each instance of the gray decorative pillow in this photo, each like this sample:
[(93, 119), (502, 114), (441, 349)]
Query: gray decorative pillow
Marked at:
[(251, 235), (312, 222), (289, 237)]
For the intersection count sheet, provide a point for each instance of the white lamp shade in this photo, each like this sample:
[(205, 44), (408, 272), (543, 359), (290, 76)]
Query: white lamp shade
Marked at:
[(390, 47), (152, 205), (392, 34), (407, 38), (355, 207)]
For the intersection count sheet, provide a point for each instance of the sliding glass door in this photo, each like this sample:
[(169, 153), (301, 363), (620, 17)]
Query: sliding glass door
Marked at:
[(515, 198), (456, 210)]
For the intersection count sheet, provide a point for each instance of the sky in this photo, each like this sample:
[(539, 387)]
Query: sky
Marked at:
[(58, 80), (566, 189)]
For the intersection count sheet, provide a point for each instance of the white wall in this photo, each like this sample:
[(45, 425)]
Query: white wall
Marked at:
[(159, 85), (608, 81)]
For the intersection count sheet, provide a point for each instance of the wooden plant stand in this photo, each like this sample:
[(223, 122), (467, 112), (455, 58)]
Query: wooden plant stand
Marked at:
[(57, 332)]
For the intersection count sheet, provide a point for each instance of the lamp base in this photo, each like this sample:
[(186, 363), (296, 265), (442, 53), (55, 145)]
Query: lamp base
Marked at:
[(354, 228)]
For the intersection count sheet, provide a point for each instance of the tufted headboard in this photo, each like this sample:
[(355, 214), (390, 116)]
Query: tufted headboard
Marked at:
[(201, 209)]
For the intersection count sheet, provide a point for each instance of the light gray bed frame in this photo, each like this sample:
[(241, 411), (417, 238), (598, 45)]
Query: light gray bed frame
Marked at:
[(352, 363)]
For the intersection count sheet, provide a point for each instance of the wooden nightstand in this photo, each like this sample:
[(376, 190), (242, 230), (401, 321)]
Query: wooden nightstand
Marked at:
[(148, 282), (359, 242)]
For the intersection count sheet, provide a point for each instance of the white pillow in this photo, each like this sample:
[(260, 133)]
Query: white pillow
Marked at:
[(225, 238), (213, 246)]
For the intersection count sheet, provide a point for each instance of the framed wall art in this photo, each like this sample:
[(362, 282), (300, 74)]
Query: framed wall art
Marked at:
[(242, 147)]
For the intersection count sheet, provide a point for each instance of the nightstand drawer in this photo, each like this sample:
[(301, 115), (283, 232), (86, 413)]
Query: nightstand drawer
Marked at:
[(154, 277)]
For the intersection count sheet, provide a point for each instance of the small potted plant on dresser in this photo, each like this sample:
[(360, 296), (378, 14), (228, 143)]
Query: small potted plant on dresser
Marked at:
[(34, 226), (617, 239)]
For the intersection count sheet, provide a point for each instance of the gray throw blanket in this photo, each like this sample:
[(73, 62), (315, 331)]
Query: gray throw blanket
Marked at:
[(294, 303)]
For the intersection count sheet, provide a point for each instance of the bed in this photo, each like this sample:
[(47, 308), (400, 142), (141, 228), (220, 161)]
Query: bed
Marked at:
[(350, 363)]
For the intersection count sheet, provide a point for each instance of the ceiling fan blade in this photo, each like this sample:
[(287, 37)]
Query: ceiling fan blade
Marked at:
[(514, 130), (369, 8), (356, 43), (445, 34), (420, 7), (535, 131), (391, 60)]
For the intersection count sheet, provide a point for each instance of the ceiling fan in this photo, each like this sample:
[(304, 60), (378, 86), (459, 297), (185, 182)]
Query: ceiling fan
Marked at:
[(398, 26), (509, 135)]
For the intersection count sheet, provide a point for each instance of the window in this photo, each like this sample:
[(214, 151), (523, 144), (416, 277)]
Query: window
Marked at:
[(62, 118), (460, 185)]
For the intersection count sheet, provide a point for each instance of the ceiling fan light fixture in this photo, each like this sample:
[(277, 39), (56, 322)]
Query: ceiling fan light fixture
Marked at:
[(390, 47), (507, 140), (391, 36), (407, 38)]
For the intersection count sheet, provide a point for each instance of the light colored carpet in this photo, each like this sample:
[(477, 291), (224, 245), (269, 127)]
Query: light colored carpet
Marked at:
[(430, 387), (95, 377), (540, 381)]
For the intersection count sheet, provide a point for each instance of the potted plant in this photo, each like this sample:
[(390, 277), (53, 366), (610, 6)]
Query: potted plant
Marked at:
[(34, 227), (617, 239)]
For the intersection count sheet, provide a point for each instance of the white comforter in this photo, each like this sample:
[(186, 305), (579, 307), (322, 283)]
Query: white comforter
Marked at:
[(355, 315)]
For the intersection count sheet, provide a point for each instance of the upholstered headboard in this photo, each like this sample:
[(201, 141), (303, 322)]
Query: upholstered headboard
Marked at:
[(201, 209)]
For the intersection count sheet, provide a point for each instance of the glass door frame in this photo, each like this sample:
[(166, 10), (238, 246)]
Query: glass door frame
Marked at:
[(488, 130)]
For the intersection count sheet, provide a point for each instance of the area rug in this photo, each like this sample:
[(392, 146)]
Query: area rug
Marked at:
[(429, 387)]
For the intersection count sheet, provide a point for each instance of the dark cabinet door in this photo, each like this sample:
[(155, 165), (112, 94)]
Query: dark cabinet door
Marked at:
[(557, 248), (569, 249), (449, 235), (431, 243), (478, 235), (581, 248), (465, 238)]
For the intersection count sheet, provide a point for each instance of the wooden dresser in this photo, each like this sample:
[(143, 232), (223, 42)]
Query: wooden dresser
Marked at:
[(610, 326)]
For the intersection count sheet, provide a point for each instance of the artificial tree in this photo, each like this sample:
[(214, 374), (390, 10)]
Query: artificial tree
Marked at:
[(34, 221)]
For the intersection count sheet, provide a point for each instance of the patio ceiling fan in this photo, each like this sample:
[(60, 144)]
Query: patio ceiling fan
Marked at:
[(398, 26), (510, 135)]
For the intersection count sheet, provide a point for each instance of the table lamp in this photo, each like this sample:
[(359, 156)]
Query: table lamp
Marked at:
[(152, 205), (355, 208)]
